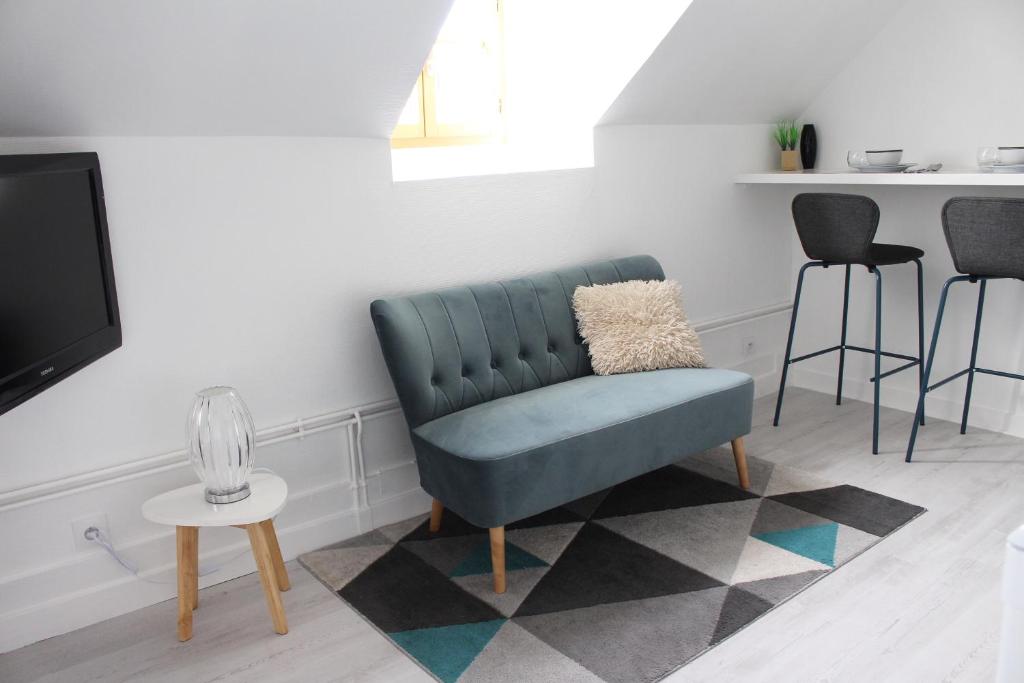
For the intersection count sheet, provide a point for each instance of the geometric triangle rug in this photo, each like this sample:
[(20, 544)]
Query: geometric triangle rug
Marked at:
[(627, 584)]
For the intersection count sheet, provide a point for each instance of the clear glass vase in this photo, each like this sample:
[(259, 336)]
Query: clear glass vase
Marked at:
[(222, 443)]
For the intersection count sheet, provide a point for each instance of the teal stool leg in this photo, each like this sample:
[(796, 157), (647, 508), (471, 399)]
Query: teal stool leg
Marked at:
[(878, 355), (931, 360), (789, 342), (842, 337), (920, 326), (974, 357)]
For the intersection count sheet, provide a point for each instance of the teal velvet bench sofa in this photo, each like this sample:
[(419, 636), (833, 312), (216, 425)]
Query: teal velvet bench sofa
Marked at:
[(506, 416)]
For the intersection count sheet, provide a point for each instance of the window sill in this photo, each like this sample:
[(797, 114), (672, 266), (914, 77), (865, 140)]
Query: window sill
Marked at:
[(431, 163)]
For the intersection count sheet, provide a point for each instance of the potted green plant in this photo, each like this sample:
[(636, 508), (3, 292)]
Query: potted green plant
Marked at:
[(787, 135)]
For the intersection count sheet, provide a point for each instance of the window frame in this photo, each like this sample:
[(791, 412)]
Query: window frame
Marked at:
[(413, 130), (427, 132)]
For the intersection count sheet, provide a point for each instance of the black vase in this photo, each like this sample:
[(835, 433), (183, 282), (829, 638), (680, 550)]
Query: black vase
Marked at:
[(808, 146)]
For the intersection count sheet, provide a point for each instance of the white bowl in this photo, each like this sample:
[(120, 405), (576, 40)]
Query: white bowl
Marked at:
[(884, 157), (1011, 155)]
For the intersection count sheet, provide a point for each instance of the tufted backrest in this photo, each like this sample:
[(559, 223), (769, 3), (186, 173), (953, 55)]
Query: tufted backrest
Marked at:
[(452, 349)]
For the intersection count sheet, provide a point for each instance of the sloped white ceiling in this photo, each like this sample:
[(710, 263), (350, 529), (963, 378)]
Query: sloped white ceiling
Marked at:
[(211, 67), (748, 61), (345, 67)]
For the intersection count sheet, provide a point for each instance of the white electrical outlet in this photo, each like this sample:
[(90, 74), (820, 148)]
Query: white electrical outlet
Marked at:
[(78, 527), (748, 346)]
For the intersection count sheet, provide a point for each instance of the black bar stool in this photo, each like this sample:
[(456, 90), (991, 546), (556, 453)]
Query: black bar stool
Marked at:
[(986, 240), (838, 229)]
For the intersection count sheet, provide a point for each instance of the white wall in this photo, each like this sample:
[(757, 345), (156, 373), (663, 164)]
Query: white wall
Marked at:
[(252, 261), (939, 81), (669, 191)]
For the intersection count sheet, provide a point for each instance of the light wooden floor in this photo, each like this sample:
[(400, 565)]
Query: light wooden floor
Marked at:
[(923, 605)]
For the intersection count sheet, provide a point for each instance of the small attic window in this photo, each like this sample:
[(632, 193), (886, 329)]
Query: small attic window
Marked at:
[(458, 97), (530, 78)]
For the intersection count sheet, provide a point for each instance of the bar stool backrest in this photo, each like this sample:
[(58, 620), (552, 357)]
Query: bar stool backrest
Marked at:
[(837, 228), (985, 235)]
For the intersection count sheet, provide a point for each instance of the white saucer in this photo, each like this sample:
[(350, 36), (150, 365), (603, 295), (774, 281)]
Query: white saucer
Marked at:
[(1008, 168), (883, 168)]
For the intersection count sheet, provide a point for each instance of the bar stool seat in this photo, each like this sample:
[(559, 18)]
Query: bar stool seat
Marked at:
[(891, 254), (839, 230)]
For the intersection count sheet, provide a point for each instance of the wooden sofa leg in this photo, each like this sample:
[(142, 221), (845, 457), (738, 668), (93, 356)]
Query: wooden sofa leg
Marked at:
[(740, 455), (498, 558), (435, 515)]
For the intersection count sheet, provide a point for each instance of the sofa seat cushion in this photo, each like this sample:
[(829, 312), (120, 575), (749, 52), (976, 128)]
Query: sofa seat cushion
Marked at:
[(516, 456)]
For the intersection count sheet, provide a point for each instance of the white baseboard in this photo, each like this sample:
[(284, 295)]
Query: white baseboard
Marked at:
[(764, 370), (944, 404)]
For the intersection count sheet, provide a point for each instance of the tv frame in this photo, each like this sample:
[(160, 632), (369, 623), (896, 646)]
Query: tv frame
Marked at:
[(43, 374)]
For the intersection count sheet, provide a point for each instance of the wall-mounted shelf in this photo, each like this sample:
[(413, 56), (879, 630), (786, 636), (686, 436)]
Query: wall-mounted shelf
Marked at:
[(962, 178)]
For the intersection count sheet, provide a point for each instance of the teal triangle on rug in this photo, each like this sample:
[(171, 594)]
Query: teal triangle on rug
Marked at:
[(816, 543), (479, 561), (447, 651)]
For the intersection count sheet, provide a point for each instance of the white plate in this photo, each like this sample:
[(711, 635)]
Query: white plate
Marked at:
[(887, 168), (1008, 168)]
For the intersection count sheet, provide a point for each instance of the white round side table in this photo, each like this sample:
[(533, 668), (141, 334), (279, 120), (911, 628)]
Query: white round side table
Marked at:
[(187, 510)]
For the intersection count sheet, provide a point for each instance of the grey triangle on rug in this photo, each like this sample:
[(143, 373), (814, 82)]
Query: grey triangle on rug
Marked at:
[(627, 584)]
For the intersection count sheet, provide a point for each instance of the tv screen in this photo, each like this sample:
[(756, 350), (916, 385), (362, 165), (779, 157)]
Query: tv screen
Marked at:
[(58, 306)]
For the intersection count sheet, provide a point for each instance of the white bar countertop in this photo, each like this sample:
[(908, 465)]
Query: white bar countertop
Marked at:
[(846, 177)]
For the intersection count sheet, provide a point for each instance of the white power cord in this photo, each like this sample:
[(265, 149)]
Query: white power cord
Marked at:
[(97, 536)]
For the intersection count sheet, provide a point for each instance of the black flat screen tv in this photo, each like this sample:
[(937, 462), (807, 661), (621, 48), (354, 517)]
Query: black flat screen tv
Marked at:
[(58, 305)]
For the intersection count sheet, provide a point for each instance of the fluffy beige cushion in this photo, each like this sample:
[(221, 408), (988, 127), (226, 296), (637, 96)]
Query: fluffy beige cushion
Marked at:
[(636, 325)]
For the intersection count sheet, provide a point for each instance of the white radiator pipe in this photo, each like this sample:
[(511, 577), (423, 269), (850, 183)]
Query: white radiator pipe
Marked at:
[(1011, 648), (144, 467)]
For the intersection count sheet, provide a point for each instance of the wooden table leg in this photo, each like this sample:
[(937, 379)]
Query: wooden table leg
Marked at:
[(436, 510), (195, 567), (188, 538), (275, 554), (498, 558), (740, 455), (261, 552)]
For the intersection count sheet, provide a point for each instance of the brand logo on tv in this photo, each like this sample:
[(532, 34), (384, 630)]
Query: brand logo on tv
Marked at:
[(47, 371)]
